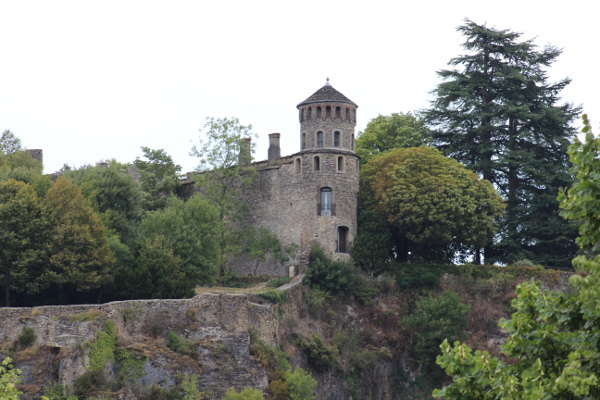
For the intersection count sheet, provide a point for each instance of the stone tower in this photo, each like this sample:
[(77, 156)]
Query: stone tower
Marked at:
[(328, 166)]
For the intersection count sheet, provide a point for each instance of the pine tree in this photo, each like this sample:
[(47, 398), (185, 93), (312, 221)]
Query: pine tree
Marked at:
[(497, 113)]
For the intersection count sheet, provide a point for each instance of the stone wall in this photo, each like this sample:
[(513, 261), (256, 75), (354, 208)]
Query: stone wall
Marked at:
[(217, 324)]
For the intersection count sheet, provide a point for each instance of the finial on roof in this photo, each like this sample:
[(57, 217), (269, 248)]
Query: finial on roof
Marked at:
[(327, 83)]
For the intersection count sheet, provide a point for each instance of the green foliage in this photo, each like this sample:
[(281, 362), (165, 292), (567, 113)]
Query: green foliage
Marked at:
[(102, 350), (260, 242), (373, 244), (434, 320), (9, 143), (89, 315), (276, 282), (385, 133), (365, 290), (129, 364), (23, 230), (581, 203), (321, 356), (496, 112), (231, 279), (180, 345), (189, 385), (9, 379), (419, 276), (300, 384), (27, 337), (57, 391), (183, 235), (158, 177), (553, 337), (115, 195), (78, 243), (325, 274), (318, 303), (434, 205), (91, 381), (225, 156), (244, 394), (275, 296)]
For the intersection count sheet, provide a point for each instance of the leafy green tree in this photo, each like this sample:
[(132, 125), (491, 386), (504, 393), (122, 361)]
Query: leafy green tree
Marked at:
[(225, 156), (244, 394), (301, 385), (497, 113), (183, 231), (9, 143), (433, 205), (553, 343), (328, 275), (115, 196), (372, 249), (385, 133), (434, 320), (158, 177), (10, 377), (22, 233), (78, 249)]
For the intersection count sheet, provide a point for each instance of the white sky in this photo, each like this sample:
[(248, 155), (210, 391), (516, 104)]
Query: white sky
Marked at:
[(92, 80)]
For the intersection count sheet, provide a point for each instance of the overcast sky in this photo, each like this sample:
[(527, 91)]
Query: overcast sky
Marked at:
[(93, 80)]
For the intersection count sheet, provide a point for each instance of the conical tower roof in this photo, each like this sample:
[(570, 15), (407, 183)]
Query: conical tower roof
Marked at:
[(327, 94)]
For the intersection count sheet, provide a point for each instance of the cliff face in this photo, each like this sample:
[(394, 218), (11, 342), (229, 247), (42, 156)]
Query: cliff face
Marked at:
[(212, 328)]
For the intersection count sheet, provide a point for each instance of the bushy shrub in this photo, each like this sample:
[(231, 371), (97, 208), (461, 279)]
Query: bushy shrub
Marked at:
[(275, 296), (276, 282), (321, 357), (180, 345), (325, 274), (244, 394), (26, 337), (419, 276), (300, 384)]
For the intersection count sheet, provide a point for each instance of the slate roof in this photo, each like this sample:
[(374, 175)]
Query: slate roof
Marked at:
[(327, 94)]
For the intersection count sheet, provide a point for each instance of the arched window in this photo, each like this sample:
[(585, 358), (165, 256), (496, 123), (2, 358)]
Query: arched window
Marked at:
[(328, 112), (342, 239), (318, 111), (340, 163), (338, 112), (347, 113), (302, 115), (303, 140), (298, 164), (320, 139), (326, 207), (336, 139), (352, 144), (309, 116), (317, 163)]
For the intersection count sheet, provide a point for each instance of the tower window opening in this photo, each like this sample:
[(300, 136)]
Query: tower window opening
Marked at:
[(298, 164), (347, 114), (342, 239), (317, 163), (336, 139), (318, 111), (303, 140), (309, 116), (340, 163), (326, 207), (302, 115), (352, 144), (338, 112), (320, 139), (328, 112)]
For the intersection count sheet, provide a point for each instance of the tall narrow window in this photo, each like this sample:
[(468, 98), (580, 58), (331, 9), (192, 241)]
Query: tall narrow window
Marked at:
[(340, 163), (326, 206), (338, 112), (302, 115), (336, 139), (347, 113), (328, 112), (309, 116), (303, 140), (298, 166), (342, 239), (317, 163), (320, 139), (318, 112)]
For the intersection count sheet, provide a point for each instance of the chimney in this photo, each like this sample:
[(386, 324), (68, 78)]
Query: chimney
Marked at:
[(245, 156), (274, 150)]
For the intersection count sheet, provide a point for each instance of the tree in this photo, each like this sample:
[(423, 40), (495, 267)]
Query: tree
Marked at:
[(496, 113), (115, 196), (372, 249), (9, 143), (9, 378), (301, 385), (183, 231), (225, 156), (78, 249), (22, 233), (434, 320), (244, 394), (158, 177), (385, 133), (553, 343), (433, 205)]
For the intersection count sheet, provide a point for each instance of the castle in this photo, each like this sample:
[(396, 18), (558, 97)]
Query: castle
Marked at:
[(309, 197)]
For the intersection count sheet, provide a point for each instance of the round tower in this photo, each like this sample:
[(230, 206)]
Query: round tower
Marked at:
[(328, 166)]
